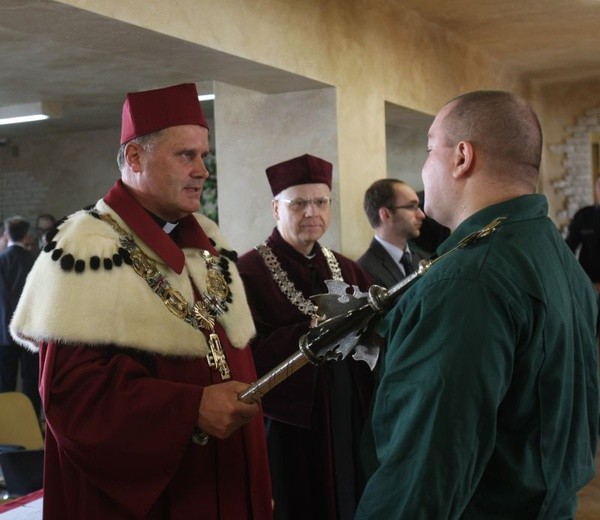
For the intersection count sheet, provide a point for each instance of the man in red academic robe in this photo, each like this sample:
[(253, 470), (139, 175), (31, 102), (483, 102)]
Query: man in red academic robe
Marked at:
[(141, 321), (315, 418)]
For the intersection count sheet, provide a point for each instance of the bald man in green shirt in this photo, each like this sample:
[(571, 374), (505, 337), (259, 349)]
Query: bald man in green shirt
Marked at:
[(487, 406)]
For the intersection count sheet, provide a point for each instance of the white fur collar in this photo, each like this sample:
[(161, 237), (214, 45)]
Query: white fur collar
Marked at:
[(116, 306)]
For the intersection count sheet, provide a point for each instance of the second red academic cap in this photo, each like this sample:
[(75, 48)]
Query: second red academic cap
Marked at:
[(306, 169)]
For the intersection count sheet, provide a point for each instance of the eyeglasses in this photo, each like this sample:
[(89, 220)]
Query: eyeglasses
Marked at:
[(414, 206), (302, 204)]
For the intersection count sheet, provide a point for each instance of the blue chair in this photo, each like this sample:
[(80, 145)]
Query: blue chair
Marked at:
[(23, 471)]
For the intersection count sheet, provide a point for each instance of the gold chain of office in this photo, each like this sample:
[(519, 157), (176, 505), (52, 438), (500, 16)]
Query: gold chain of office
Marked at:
[(203, 313), (286, 286)]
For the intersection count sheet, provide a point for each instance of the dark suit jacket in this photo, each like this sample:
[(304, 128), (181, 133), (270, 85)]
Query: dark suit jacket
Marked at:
[(15, 264), (382, 267)]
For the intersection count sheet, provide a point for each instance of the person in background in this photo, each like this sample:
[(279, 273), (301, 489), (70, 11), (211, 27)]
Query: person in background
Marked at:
[(316, 416), (432, 232), (15, 264), (584, 237), (142, 322), (392, 208), (44, 223), (487, 405), (30, 242), (3, 239)]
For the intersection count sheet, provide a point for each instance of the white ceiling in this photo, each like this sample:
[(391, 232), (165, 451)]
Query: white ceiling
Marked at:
[(50, 51), (53, 52)]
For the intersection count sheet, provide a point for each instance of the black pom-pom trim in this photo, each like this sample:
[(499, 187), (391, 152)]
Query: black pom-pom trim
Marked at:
[(50, 235), (80, 266), (232, 255), (67, 262), (56, 254), (124, 254), (49, 246), (108, 265), (95, 263), (117, 260), (60, 222)]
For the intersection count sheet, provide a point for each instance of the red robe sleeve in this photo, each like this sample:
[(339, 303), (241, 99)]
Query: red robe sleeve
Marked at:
[(118, 438), (118, 425)]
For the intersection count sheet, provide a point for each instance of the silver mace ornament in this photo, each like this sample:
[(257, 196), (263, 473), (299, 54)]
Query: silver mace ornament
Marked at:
[(347, 327)]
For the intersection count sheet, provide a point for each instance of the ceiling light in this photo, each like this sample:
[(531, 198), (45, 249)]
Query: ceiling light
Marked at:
[(206, 97), (37, 111)]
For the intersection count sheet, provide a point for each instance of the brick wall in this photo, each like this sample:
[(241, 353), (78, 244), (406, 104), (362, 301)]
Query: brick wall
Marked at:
[(576, 185)]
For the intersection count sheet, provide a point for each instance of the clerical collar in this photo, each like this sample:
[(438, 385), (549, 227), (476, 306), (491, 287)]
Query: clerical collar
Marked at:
[(313, 252), (167, 227)]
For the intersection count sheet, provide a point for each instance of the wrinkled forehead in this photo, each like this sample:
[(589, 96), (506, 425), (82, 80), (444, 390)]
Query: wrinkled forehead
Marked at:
[(305, 191)]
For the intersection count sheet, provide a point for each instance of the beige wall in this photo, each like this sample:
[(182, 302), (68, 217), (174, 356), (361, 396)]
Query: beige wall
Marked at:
[(406, 154), (369, 53), (275, 127)]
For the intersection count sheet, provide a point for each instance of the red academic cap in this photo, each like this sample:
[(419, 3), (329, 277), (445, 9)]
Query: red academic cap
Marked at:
[(306, 169), (152, 110)]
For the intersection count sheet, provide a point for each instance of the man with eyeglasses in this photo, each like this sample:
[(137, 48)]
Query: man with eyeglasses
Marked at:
[(315, 417), (392, 208)]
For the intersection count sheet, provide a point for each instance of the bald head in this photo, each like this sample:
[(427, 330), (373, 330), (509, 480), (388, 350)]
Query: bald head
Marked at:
[(501, 125), (484, 148)]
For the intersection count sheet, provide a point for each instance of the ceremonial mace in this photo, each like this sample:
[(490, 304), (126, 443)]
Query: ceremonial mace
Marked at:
[(346, 327)]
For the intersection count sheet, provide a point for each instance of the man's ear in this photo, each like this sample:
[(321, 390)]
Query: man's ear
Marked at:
[(275, 209), (464, 159), (133, 156), (384, 214)]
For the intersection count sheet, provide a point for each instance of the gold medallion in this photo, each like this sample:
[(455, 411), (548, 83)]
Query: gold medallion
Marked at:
[(216, 285), (204, 318), (203, 313)]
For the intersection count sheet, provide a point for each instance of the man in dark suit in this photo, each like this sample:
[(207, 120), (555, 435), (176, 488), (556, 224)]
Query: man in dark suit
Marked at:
[(392, 208), (15, 263), (432, 232)]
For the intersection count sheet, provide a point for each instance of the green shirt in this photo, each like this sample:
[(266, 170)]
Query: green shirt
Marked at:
[(488, 401)]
